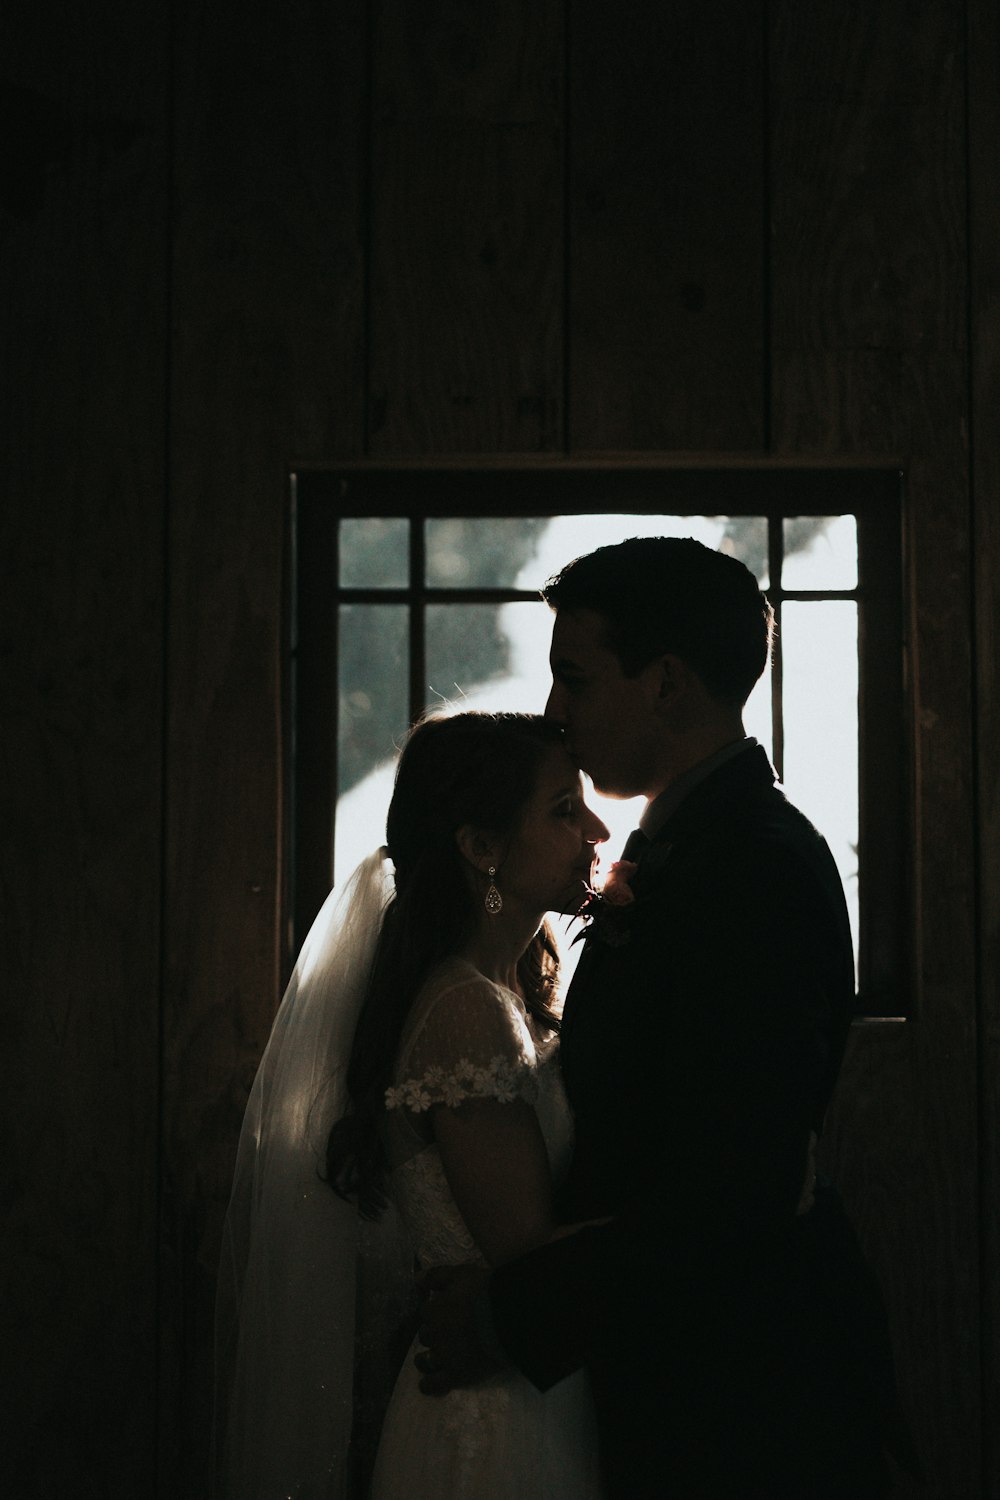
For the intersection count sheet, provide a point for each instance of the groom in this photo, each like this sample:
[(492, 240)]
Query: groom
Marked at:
[(736, 1348)]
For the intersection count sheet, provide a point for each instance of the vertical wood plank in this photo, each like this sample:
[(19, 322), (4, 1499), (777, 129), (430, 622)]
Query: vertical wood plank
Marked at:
[(667, 175), (984, 191), (869, 355), (267, 366), (83, 341), (466, 320)]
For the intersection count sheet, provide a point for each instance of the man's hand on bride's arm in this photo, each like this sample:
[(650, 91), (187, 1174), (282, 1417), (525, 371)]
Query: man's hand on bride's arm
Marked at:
[(455, 1328), (567, 1229), (456, 1324)]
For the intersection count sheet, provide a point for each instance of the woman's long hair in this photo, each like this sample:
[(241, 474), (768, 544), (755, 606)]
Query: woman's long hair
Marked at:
[(472, 769)]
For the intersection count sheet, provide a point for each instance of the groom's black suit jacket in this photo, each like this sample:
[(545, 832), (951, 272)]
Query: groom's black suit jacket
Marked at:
[(735, 1347)]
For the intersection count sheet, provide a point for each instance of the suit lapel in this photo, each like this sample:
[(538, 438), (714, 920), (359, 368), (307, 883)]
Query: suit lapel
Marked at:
[(719, 796)]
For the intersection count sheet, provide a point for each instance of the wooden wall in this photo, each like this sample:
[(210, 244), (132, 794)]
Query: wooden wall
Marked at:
[(984, 230), (240, 235), (83, 422)]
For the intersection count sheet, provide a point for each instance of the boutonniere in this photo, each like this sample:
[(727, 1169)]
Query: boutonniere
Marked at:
[(604, 912)]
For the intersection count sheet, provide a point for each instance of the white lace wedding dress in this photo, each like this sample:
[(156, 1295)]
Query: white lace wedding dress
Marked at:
[(504, 1440)]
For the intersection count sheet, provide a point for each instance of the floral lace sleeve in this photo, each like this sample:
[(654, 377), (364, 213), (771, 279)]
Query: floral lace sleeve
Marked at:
[(470, 1041)]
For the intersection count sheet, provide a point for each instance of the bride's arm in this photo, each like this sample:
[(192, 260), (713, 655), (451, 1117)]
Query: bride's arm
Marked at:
[(497, 1168)]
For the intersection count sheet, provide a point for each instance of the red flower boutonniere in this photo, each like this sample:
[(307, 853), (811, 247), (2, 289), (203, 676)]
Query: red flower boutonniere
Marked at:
[(604, 911), (617, 888)]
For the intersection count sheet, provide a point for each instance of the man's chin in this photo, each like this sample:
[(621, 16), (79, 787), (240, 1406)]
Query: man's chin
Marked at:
[(604, 784), (613, 792)]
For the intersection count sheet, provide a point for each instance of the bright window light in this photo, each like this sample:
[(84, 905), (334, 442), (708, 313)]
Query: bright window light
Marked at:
[(481, 655)]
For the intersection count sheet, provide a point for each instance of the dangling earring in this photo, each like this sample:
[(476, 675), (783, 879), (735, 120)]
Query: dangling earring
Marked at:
[(494, 900)]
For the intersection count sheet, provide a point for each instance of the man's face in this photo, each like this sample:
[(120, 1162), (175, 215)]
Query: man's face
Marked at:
[(612, 728)]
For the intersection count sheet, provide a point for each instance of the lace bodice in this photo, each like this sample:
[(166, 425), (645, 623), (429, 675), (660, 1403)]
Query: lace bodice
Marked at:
[(500, 1439), (467, 1038)]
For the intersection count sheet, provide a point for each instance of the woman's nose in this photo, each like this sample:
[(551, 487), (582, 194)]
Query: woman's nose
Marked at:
[(598, 832)]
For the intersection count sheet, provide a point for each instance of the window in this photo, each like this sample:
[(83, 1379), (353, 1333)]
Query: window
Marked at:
[(416, 585)]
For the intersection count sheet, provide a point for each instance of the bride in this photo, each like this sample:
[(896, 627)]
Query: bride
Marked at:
[(408, 1112)]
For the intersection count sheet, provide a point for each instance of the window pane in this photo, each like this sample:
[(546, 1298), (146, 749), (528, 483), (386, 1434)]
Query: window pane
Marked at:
[(820, 705), (482, 553), (745, 537), (374, 714), (489, 656), (821, 552), (522, 552), (566, 537), (374, 552)]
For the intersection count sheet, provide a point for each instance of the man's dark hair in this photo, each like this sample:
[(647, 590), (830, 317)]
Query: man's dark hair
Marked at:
[(672, 594)]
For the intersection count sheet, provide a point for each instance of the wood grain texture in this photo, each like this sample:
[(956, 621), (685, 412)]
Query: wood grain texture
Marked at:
[(868, 201), (869, 355), (984, 251), (83, 340), (667, 176), (267, 365), (467, 227)]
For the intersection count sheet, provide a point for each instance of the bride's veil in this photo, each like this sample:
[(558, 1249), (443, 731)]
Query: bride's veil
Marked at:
[(293, 1313)]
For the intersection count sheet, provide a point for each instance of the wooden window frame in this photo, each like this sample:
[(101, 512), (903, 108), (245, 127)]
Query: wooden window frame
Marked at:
[(322, 495)]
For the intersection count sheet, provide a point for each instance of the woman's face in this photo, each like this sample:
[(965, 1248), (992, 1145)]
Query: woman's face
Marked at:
[(549, 861)]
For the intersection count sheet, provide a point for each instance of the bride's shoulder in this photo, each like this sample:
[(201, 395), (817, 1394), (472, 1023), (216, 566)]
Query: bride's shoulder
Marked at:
[(457, 1009), (465, 1038), (456, 985)]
